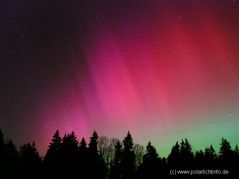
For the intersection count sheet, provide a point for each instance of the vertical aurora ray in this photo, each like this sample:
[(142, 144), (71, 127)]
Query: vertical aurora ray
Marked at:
[(170, 74)]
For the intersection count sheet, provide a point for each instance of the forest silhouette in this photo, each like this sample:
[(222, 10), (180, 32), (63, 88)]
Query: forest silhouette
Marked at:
[(104, 158)]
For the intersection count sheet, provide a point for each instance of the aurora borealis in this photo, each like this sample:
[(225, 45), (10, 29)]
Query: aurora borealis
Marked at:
[(164, 70)]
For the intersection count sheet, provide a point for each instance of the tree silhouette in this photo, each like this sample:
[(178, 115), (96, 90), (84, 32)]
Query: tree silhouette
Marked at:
[(69, 154), (151, 163), (68, 158), (235, 160), (52, 161), (139, 153), (210, 157), (30, 161), (174, 157), (181, 155), (8, 157), (93, 144), (210, 153), (199, 159), (97, 166), (103, 142), (54, 146), (116, 168), (128, 158), (84, 165), (105, 150), (226, 155), (236, 153), (83, 146), (186, 154), (11, 156), (151, 155)]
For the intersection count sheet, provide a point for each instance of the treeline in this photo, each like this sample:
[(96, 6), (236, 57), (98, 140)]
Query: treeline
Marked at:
[(105, 158)]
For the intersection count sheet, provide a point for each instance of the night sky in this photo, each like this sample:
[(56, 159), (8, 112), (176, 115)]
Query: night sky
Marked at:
[(162, 69)]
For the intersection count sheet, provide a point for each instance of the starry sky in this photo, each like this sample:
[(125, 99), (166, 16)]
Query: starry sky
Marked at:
[(164, 70)]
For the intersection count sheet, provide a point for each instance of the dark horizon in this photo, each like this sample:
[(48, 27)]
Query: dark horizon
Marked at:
[(42, 155), (106, 158), (164, 70)]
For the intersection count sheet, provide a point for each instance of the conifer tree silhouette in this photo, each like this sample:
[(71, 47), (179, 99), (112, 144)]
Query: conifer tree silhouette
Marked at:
[(174, 157), (69, 154), (29, 161), (235, 160), (199, 159), (186, 154), (236, 153), (97, 168), (52, 161), (226, 155), (151, 163), (11, 157), (151, 157), (8, 157), (83, 145), (210, 156), (128, 158), (84, 164), (181, 155), (67, 158)]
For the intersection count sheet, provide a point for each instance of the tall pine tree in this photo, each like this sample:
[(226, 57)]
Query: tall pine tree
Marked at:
[(52, 161), (97, 166), (128, 158)]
